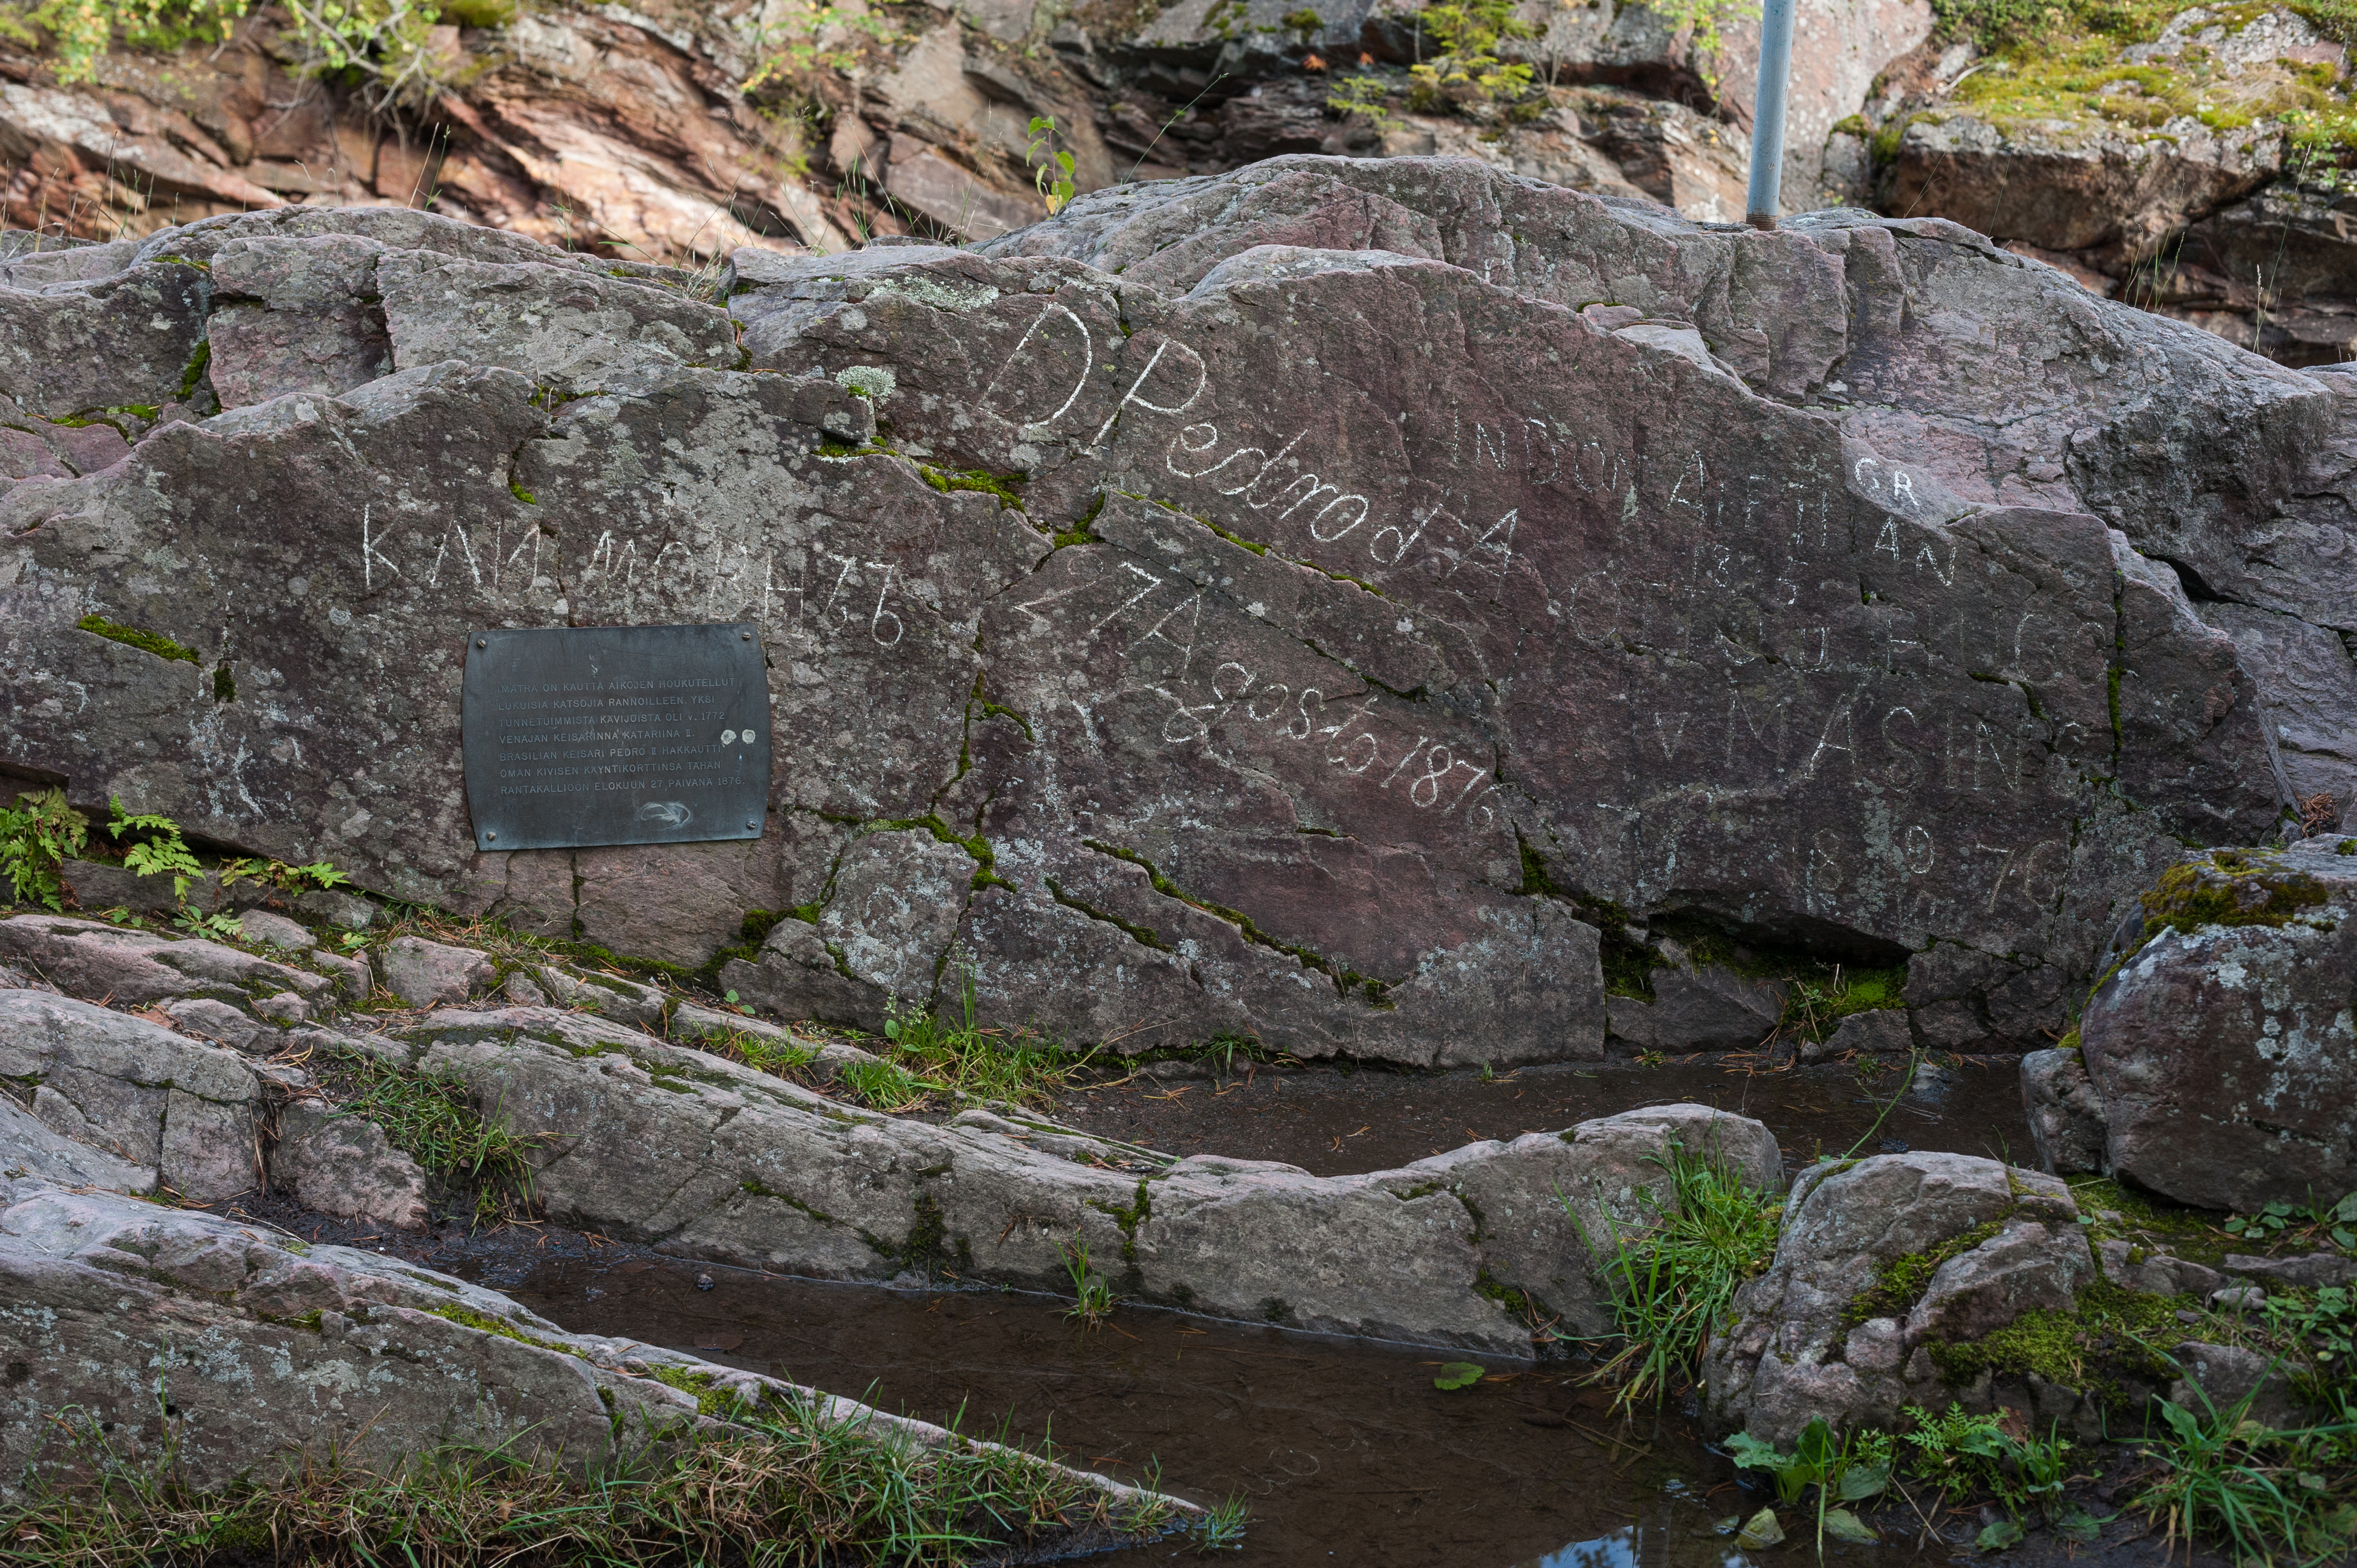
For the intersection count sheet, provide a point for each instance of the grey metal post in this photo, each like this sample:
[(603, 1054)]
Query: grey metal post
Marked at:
[(1768, 112)]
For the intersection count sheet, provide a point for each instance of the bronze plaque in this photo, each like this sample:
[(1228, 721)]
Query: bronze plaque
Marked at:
[(616, 735)]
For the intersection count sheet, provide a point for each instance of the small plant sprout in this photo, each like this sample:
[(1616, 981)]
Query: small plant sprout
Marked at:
[(1457, 1375), (162, 852), (1052, 169), (1221, 1528), (280, 878), (1092, 1297)]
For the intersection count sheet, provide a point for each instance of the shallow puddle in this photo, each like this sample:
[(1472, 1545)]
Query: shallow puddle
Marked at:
[(1335, 1122), (1346, 1452)]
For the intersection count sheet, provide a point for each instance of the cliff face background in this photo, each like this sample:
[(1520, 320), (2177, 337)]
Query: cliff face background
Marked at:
[(2185, 160)]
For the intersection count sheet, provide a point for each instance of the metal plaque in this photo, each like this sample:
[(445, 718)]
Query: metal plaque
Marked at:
[(616, 735)]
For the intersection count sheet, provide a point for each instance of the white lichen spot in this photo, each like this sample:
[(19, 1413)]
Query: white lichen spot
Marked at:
[(939, 293), (873, 382)]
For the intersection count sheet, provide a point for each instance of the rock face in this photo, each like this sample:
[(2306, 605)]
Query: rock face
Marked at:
[(1205, 651), (2224, 1049), (1810, 1341)]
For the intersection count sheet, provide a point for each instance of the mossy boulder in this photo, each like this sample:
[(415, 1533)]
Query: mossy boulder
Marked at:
[(2222, 1047)]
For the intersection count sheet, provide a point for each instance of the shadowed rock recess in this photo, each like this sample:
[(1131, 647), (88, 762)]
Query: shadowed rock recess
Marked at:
[(1337, 602)]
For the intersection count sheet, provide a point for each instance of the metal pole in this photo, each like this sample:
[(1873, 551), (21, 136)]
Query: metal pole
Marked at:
[(1768, 112)]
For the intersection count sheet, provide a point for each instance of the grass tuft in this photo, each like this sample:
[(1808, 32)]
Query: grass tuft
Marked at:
[(433, 1121), (788, 1485), (1673, 1283)]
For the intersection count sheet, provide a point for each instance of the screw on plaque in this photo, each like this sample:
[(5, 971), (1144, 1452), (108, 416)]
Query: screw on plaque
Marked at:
[(748, 637), (483, 642), (489, 837)]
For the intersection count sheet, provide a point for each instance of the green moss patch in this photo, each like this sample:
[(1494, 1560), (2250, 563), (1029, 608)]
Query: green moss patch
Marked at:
[(2232, 887), (153, 642), (1904, 1280)]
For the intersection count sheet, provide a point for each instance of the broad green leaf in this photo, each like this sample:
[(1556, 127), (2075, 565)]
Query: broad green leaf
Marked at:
[(1999, 1536), (1817, 1444), (1458, 1375), (1844, 1525), (1761, 1529), (1863, 1481)]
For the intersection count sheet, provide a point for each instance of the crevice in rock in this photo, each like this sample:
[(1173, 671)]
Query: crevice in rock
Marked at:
[(1347, 980), (1145, 935)]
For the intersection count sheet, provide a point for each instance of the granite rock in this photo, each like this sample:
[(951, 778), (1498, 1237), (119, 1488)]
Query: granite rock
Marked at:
[(188, 1116), (1792, 1353), (342, 1166), (421, 973), (92, 958)]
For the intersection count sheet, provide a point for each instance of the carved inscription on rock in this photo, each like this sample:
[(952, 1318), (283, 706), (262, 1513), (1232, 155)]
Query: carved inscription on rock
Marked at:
[(616, 735)]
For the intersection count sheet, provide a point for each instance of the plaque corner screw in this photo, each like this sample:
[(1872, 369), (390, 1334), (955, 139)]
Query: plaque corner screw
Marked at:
[(483, 642), (748, 637), (490, 837)]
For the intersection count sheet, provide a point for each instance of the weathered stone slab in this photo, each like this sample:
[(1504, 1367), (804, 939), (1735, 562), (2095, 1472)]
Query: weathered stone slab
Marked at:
[(94, 959), (702, 1156), (187, 1114), (237, 1350), (343, 1166)]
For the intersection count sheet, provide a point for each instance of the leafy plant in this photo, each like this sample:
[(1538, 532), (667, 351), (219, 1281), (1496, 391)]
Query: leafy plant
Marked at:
[(2268, 1493), (83, 30), (1364, 92), (37, 835), (162, 852), (1052, 168), (1962, 1455), (1674, 1282), (214, 924), (1701, 20), (1844, 1470), (1468, 69), (794, 40), (280, 878), (1458, 1375), (1091, 1297)]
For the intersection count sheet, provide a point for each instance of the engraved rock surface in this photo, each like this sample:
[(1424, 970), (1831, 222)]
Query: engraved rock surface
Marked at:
[(1275, 607), (2226, 1055)]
